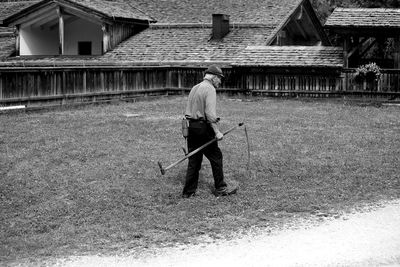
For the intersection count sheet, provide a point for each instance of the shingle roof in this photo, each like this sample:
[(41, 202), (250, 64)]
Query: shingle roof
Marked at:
[(7, 44), (114, 8), (364, 17), (198, 51), (9, 8), (270, 12), (110, 8), (296, 56), (189, 44), (183, 31), (6, 30)]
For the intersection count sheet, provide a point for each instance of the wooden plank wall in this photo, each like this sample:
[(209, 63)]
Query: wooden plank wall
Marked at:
[(87, 84), (119, 33)]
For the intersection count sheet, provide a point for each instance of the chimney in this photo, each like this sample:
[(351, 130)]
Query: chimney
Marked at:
[(220, 23)]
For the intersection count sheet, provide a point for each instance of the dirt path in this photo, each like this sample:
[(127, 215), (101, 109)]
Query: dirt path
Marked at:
[(359, 239)]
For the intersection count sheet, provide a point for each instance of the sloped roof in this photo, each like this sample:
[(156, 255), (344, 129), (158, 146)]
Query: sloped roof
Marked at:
[(295, 56), (115, 9), (171, 45), (183, 30), (9, 8), (364, 17), (177, 52), (189, 44), (270, 12)]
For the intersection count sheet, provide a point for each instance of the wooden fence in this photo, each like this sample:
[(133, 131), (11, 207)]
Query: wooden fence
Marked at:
[(388, 85), (62, 85), (286, 84), (65, 85), (319, 84)]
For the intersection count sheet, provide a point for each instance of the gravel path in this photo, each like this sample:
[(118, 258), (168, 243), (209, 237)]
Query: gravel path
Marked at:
[(358, 239)]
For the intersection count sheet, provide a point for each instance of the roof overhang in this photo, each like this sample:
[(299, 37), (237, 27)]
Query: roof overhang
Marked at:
[(364, 22), (364, 31), (42, 8), (290, 56)]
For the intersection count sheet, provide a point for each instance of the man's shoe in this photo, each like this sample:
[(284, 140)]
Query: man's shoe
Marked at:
[(188, 195), (225, 191)]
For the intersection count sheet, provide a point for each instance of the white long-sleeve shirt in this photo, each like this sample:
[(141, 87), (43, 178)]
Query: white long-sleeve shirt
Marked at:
[(202, 102)]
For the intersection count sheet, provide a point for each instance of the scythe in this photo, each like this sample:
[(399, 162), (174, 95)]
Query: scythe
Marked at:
[(163, 170)]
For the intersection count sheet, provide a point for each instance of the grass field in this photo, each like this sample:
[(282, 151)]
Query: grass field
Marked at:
[(81, 181)]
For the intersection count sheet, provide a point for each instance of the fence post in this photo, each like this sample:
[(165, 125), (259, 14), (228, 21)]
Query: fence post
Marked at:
[(102, 81), (338, 82), (84, 81), (1, 86), (397, 63)]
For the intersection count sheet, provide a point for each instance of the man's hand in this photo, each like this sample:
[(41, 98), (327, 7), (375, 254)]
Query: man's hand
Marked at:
[(219, 136)]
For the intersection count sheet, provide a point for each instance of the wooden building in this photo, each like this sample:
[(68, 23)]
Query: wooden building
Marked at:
[(359, 30), (66, 27), (70, 50)]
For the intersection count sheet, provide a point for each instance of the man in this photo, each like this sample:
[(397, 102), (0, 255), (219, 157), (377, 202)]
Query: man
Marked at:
[(202, 117)]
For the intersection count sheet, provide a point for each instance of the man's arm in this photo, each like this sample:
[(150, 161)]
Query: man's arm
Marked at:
[(217, 132), (210, 112)]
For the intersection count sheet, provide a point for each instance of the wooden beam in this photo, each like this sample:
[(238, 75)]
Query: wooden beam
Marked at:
[(84, 15), (309, 26), (281, 37), (300, 14), (363, 40), (50, 19), (357, 47), (397, 52), (51, 14), (367, 48), (17, 40), (346, 44), (300, 29), (61, 30), (366, 32), (34, 16), (106, 38), (67, 20)]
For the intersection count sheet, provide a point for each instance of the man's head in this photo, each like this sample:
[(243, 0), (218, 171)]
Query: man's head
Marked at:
[(215, 70), (214, 74)]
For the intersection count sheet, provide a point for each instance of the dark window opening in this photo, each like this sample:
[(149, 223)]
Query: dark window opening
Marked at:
[(84, 48)]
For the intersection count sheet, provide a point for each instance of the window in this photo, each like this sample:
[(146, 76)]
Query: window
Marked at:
[(84, 48)]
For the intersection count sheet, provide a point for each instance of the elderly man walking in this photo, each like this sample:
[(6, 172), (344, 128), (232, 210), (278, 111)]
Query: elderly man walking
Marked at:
[(202, 117)]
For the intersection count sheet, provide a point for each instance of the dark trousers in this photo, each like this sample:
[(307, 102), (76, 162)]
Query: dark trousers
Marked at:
[(200, 133)]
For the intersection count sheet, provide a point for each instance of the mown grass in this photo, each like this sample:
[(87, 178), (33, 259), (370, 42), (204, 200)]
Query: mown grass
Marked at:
[(79, 181)]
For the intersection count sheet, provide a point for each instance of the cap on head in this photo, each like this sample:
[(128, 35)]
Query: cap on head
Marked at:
[(215, 70)]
